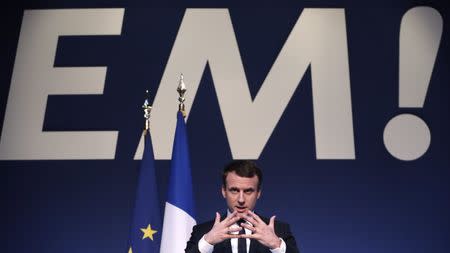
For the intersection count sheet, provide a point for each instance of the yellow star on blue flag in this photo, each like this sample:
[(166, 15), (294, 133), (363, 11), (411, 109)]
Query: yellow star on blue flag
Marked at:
[(148, 232)]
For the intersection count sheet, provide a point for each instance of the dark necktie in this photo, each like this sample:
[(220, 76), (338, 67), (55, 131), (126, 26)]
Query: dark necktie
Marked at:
[(242, 242)]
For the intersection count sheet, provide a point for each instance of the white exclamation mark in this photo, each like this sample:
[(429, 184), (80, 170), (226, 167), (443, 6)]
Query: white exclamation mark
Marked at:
[(406, 136)]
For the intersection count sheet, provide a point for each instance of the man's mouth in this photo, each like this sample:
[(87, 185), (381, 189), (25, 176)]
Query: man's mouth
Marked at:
[(241, 208)]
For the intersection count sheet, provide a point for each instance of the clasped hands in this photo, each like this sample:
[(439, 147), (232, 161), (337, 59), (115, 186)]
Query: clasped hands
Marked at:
[(262, 232)]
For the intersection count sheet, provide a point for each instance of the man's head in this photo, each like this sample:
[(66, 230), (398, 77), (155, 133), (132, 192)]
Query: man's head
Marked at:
[(241, 185)]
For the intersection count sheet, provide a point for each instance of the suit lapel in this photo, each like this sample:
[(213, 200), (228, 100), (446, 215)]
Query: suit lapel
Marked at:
[(253, 246), (225, 247)]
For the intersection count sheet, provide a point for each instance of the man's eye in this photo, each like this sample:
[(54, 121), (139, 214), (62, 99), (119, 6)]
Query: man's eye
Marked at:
[(249, 191), (233, 190)]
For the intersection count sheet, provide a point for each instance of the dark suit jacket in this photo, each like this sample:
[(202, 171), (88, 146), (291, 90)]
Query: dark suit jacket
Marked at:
[(281, 230)]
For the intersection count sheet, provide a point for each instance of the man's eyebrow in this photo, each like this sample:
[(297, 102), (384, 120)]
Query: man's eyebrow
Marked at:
[(237, 189)]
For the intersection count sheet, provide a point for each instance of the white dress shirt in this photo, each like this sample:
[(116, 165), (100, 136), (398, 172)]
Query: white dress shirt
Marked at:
[(205, 247)]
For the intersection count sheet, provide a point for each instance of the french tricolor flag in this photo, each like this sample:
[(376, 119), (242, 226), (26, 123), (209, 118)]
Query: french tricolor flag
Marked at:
[(179, 215)]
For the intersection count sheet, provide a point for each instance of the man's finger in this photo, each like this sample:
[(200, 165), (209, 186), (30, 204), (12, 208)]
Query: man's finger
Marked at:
[(230, 236), (234, 229), (217, 220), (249, 227), (251, 220), (272, 221), (255, 217), (231, 221), (250, 236), (232, 215)]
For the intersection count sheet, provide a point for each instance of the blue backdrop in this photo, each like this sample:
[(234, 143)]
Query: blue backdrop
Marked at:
[(373, 203)]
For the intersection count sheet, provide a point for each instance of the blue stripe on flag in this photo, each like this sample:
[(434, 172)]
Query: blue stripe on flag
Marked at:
[(180, 185)]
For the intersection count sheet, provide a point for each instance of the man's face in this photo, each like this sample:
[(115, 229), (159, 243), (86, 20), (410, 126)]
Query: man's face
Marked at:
[(241, 193)]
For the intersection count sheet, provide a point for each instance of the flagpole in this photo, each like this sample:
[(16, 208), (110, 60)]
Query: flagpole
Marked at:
[(181, 90), (147, 109)]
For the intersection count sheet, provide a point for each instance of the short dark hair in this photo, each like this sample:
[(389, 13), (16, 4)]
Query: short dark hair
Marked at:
[(243, 168)]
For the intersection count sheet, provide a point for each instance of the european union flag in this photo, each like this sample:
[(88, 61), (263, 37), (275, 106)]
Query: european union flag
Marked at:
[(145, 234), (179, 214)]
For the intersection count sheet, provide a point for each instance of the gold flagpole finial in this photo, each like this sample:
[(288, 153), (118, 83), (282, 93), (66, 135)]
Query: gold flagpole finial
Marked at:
[(181, 90), (147, 109)]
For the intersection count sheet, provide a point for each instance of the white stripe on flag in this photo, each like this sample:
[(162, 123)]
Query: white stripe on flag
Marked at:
[(177, 229)]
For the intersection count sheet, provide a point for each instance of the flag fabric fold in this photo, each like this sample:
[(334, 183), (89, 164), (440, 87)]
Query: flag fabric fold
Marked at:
[(179, 213), (145, 233)]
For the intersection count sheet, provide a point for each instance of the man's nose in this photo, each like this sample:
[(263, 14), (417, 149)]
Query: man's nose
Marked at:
[(241, 197)]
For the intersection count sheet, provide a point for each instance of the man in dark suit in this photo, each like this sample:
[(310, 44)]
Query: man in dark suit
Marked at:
[(241, 231)]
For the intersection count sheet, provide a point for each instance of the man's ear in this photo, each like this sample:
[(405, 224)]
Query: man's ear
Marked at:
[(259, 194), (223, 191)]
